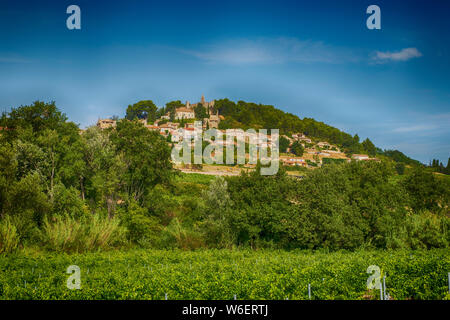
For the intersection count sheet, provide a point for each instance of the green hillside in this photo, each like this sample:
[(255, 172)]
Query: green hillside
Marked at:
[(251, 115)]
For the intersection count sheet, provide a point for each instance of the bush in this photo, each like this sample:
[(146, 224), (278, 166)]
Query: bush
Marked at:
[(142, 228), (400, 168), (311, 163), (426, 191), (175, 235), (332, 160), (297, 149), (68, 234), (9, 238), (428, 230), (68, 201)]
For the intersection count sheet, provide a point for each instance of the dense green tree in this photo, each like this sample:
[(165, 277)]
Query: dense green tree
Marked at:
[(217, 224), (425, 190), (39, 116), (400, 168), (438, 166), (284, 144), (261, 209), (22, 197), (297, 149), (144, 109), (146, 156), (369, 147), (142, 228), (398, 156), (200, 112), (171, 108)]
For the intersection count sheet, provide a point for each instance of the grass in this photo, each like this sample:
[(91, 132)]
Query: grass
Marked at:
[(9, 238), (93, 232), (199, 178)]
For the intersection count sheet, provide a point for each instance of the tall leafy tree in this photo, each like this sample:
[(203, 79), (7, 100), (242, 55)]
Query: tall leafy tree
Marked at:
[(146, 156), (39, 116), (426, 191), (144, 109), (284, 144), (447, 169), (171, 108), (200, 112), (369, 147), (297, 148)]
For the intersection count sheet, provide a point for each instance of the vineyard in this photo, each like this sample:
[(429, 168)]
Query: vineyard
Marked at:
[(224, 274)]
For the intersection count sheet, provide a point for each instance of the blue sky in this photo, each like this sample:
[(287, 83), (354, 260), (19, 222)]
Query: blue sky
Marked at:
[(311, 58)]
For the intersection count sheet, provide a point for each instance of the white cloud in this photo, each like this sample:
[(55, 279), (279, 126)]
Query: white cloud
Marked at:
[(271, 51), (424, 124), (402, 55), (415, 128)]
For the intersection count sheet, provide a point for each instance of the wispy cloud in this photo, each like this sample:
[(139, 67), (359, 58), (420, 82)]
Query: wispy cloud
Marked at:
[(415, 128), (425, 124), (402, 55), (272, 51)]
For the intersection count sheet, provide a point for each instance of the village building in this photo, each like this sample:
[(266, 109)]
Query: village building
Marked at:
[(213, 121), (294, 162), (165, 128), (207, 104), (152, 127), (172, 125), (301, 137), (306, 140), (324, 154), (360, 157), (177, 135), (324, 145), (184, 113), (106, 123), (187, 112), (191, 133)]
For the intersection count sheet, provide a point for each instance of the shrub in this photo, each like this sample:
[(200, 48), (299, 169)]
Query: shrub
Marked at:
[(311, 163), (426, 191), (142, 228), (68, 201), (332, 160), (65, 233), (175, 235), (427, 230), (9, 238), (400, 168)]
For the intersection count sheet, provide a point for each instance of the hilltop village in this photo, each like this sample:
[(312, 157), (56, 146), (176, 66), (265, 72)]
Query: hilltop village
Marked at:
[(314, 153)]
